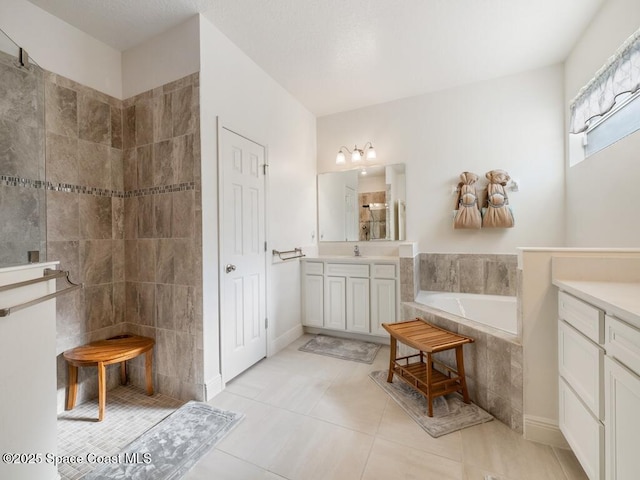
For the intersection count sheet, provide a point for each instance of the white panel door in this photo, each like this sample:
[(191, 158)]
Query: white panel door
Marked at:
[(242, 254), (358, 304)]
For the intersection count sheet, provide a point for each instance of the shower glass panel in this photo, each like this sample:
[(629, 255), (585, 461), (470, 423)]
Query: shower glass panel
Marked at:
[(22, 156)]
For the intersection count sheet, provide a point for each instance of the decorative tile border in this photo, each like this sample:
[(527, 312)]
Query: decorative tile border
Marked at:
[(9, 181)]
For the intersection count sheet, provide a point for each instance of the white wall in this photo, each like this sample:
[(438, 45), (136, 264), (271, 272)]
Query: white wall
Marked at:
[(60, 48), (600, 190), (249, 102), (514, 123), (169, 56)]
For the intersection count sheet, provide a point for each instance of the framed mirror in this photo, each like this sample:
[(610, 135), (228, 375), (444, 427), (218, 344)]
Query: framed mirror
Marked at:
[(366, 204)]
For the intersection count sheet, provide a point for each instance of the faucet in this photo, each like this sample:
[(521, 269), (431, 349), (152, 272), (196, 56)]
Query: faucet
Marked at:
[(356, 251)]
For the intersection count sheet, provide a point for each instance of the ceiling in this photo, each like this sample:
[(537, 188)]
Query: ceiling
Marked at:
[(337, 55)]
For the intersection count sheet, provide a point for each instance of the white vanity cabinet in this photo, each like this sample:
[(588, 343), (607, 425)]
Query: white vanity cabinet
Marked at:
[(581, 369), (352, 296), (599, 388), (622, 399)]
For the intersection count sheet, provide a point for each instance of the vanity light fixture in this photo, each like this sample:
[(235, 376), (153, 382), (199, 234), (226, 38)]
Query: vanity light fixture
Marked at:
[(356, 153)]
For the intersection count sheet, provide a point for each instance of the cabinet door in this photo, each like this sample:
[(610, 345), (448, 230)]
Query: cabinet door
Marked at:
[(313, 300), (335, 304), (383, 304), (622, 400), (358, 305)]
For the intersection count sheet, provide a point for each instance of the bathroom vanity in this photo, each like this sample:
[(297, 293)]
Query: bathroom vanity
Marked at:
[(599, 375), (350, 294)]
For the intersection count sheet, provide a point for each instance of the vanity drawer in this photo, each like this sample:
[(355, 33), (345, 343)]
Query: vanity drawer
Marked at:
[(581, 365), (622, 342), (348, 269), (314, 268), (584, 433), (384, 271), (584, 317)]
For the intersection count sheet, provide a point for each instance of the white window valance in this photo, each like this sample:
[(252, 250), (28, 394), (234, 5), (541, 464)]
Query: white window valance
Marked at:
[(619, 76)]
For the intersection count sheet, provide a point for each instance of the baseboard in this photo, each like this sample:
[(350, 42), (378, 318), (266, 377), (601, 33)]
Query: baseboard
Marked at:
[(213, 387), (543, 430), (285, 339)]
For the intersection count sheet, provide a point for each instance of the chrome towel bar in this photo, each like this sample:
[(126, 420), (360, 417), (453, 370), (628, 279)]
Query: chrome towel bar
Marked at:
[(49, 274), (296, 251)]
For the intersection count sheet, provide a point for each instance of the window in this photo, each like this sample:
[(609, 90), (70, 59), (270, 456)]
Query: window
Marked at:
[(623, 120), (608, 107)]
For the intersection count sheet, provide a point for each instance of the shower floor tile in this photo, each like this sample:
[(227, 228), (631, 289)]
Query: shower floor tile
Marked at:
[(129, 413)]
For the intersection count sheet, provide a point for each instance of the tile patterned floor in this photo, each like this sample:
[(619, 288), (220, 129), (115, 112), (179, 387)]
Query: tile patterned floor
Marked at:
[(313, 417), (129, 413)]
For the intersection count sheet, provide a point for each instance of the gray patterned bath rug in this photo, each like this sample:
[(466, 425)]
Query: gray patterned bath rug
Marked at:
[(344, 348), (170, 448), (450, 413)]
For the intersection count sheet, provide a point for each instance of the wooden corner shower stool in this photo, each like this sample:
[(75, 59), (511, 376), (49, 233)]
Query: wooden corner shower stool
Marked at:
[(107, 352), (421, 374)]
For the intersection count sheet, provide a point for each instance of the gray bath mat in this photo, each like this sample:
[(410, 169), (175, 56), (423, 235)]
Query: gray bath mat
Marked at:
[(450, 413), (170, 448), (344, 348)]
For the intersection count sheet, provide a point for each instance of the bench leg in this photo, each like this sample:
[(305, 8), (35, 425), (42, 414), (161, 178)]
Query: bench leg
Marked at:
[(148, 364), (429, 388), (460, 368), (392, 358), (102, 390), (123, 373), (73, 387)]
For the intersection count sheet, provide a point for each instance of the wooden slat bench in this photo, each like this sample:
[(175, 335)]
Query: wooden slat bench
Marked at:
[(107, 352), (420, 373)]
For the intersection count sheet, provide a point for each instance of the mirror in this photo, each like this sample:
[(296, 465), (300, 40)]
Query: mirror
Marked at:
[(362, 205)]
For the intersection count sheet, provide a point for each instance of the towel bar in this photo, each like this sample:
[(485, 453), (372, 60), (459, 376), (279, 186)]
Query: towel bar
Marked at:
[(297, 251), (48, 275)]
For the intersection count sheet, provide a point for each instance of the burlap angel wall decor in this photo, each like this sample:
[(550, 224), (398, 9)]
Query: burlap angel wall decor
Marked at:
[(496, 212), (467, 210)]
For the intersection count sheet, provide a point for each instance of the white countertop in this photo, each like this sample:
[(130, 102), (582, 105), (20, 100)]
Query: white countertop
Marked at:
[(352, 259), (620, 299)]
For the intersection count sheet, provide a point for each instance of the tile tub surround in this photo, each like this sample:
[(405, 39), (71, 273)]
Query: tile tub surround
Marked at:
[(492, 274), (493, 364)]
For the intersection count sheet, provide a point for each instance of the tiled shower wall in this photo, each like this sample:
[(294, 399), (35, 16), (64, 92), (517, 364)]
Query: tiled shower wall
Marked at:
[(124, 217), (163, 229), (85, 224)]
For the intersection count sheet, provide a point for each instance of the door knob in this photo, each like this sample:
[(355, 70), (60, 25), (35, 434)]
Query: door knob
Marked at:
[(229, 268)]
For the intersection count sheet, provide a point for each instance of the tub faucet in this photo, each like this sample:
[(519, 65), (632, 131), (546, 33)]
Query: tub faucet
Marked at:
[(356, 251)]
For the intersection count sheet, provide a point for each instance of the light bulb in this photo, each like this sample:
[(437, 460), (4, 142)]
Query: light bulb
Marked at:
[(356, 156), (340, 160)]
